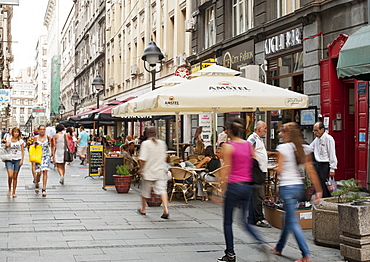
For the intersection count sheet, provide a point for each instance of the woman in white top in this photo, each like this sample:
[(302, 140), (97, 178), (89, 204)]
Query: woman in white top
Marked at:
[(15, 145), (293, 157), (58, 151)]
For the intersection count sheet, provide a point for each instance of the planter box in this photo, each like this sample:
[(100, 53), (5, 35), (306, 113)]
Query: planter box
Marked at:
[(276, 217)]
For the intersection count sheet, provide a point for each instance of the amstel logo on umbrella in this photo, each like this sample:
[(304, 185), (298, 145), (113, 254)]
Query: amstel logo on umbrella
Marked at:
[(226, 86), (171, 102)]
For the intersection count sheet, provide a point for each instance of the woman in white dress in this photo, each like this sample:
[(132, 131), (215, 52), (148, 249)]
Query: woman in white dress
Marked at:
[(58, 152)]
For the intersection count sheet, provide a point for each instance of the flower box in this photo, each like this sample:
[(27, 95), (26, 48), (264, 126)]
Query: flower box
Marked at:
[(276, 217)]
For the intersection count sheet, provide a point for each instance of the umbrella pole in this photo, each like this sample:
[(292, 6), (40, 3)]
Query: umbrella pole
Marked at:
[(214, 124), (177, 134)]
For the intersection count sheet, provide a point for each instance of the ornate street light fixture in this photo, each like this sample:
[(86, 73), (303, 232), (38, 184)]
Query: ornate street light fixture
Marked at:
[(61, 110), (75, 99), (152, 55), (98, 84)]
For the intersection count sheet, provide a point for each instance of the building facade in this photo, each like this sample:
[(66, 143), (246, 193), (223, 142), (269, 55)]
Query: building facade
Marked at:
[(42, 93), (67, 67), (23, 99), (6, 58), (55, 17), (89, 56), (288, 40), (130, 27)]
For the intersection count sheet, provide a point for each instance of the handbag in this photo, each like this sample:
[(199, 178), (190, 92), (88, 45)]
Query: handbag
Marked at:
[(5, 155), (68, 155), (35, 154), (331, 184), (258, 176)]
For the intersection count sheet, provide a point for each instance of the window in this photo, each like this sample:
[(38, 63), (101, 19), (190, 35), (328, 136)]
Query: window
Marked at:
[(210, 29), (22, 110), (285, 7), (242, 16)]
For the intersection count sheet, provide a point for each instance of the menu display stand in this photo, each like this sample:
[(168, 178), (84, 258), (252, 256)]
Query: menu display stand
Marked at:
[(110, 162), (95, 160)]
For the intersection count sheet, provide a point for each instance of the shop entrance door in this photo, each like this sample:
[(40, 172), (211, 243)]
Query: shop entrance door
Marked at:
[(361, 127), (349, 130)]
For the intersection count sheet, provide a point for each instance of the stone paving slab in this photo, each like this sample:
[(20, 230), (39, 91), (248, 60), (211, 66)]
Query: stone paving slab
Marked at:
[(80, 221)]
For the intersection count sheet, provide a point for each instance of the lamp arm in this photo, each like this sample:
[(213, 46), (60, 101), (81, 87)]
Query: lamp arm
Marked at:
[(146, 69), (160, 69)]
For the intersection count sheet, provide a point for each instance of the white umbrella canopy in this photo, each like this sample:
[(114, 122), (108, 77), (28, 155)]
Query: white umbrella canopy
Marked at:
[(127, 109), (225, 93)]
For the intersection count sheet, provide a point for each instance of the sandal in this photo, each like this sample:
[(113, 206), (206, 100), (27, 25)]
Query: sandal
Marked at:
[(14, 195), (44, 192), (37, 189), (141, 212)]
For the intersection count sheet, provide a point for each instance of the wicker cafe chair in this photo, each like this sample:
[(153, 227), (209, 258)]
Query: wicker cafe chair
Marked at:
[(217, 185), (183, 181)]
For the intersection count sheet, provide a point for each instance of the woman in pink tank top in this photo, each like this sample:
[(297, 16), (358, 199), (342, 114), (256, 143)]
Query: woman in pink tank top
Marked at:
[(238, 156)]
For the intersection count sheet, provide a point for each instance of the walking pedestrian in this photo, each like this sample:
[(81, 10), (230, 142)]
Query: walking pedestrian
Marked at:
[(15, 146), (71, 143), (152, 159), (325, 161), (42, 169), (261, 155), (58, 151), (31, 141), (222, 137), (82, 144), (293, 157), (238, 155)]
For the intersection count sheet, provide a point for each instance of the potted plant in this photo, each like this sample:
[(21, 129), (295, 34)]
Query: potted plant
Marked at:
[(123, 178), (325, 217)]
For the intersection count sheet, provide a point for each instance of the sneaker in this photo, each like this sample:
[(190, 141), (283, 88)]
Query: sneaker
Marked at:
[(227, 257), (263, 223)]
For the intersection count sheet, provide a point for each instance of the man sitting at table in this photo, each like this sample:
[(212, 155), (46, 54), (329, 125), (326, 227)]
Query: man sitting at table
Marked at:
[(211, 163)]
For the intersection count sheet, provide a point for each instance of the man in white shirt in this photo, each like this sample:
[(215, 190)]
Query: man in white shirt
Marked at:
[(152, 159), (325, 160), (261, 155)]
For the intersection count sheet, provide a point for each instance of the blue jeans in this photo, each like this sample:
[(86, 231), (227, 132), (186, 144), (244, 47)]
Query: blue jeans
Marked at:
[(290, 195), (238, 193), (13, 165)]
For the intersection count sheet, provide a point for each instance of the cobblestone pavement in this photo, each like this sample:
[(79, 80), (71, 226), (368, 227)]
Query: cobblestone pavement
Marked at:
[(79, 221)]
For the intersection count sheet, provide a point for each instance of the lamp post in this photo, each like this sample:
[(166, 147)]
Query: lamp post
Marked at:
[(98, 84), (61, 109), (75, 98), (152, 55), (52, 116)]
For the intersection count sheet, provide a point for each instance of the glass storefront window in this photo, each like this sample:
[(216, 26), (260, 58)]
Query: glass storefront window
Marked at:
[(286, 82), (298, 62), (285, 65)]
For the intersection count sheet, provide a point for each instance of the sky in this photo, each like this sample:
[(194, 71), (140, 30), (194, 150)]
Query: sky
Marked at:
[(27, 26)]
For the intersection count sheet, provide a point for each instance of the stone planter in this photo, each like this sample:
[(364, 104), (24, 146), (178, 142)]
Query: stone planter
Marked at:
[(154, 200), (122, 183), (355, 231), (325, 223)]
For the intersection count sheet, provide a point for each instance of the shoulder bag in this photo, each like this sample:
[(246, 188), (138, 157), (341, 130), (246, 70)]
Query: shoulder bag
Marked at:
[(68, 155), (5, 155)]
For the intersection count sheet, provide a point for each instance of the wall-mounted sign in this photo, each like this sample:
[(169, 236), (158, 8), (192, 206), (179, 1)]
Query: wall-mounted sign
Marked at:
[(361, 89), (38, 110), (182, 71), (4, 95), (205, 120), (283, 41), (202, 65), (308, 117), (239, 56)]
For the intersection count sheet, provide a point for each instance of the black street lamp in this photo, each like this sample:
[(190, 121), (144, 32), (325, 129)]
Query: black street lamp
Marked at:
[(52, 116), (61, 109), (75, 99), (98, 84), (152, 55)]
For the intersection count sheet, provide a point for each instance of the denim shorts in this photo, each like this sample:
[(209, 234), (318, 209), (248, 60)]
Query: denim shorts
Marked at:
[(13, 165)]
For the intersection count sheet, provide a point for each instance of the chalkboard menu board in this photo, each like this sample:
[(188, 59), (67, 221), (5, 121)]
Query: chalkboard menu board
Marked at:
[(95, 160), (110, 162)]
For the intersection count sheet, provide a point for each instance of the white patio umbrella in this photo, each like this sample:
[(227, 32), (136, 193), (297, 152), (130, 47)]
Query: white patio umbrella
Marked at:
[(127, 109), (219, 90)]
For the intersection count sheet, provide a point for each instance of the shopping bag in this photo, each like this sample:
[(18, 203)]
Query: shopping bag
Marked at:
[(331, 184), (4, 155), (68, 156), (35, 154)]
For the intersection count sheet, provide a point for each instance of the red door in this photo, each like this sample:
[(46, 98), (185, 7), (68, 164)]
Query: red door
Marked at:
[(361, 127)]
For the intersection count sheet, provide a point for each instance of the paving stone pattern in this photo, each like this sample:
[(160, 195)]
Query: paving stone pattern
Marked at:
[(79, 221)]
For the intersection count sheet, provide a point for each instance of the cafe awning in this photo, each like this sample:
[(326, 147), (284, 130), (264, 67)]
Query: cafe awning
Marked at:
[(354, 57)]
